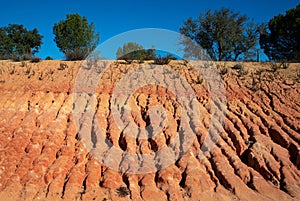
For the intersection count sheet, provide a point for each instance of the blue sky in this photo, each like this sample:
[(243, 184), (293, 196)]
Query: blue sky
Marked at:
[(117, 16)]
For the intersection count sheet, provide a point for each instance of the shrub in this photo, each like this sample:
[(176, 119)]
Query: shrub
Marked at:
[(134, 51), (12, 70), (243, 71), (17, 59), (159, 60), (27, 72), (199, 80), (62, 66), (128, 60), (77, 55), (35, 60), (22, 57), (23, 64), (123, 191), (48, 58), (237, 66), (222, 69), (279, 65)]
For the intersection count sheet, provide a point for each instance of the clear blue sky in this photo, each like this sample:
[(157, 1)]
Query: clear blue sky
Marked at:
[(113, 17)]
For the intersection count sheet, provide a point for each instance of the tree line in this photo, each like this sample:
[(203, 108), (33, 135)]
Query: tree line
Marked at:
[(223, 34)]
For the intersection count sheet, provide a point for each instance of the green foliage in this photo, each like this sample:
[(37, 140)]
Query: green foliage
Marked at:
[(18, 43), (62, 66), (133, 51), (281, 42), (23, 64), (130, 49), (223, 34), (22, 57), (75, 37), (278, 65), (6, 49), (222, 69), (242, 70), (159, 60), (48, 58), (35, 59), (123, 191), (237, 66)]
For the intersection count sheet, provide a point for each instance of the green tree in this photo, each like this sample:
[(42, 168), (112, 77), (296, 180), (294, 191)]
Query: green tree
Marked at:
[(281, 39), (5, 45), (223, 34), (134, 51), (75, 37), (19, 43)]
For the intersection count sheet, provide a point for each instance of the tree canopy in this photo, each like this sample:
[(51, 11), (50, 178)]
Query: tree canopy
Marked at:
[(281, 39), (134, 51), (19, 43), (75, 37), (223, 34)]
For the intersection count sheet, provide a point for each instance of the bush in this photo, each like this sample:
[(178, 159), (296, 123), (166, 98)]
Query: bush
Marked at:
[(35, 60), (23, 64), (123, 191), (223, 70), (17, 58), (159, 60), (243, 71), (5, 57), (77, 55), (237, 66), (132, 51), (48, 58), (62, 66), (23, 57), (128, 61), (279, 65)]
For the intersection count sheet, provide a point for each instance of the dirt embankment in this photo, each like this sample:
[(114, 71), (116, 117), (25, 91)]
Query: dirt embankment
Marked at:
[(43, 156)]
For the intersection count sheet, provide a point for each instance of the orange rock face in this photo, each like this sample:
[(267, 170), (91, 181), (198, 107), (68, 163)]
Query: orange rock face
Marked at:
[(62, 139)]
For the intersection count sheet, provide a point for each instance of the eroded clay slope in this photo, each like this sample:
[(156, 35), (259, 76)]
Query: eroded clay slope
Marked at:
[(43, 156)]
